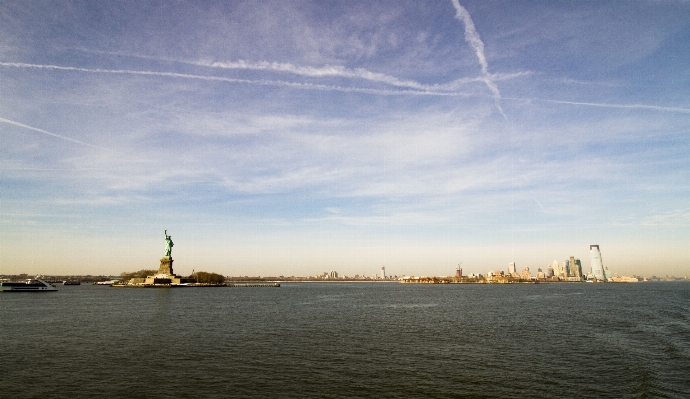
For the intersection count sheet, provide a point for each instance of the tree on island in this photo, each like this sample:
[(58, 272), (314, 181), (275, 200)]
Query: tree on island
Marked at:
[(207, 278)]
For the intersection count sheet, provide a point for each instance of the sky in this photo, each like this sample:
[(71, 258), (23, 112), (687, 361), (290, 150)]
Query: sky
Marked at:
[(297, 137)]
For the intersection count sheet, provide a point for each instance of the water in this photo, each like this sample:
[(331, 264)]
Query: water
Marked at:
[(347, 340)]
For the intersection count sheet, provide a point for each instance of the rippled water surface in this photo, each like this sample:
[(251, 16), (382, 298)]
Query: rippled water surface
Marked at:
[(336, 340)]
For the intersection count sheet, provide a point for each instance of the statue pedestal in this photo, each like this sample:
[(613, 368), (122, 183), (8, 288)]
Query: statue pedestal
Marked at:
[(166, 266), (165, 274)]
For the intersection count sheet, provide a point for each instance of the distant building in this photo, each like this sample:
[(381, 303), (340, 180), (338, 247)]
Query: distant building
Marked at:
[(458, 272), (495, 273), (556, 268), (574, 268), (383, 272), (526, 275), (540, 274), (597, 264), (550, 271), (511, 268), (333, 275)]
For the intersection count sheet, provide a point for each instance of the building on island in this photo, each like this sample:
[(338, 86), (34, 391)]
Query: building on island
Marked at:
[(383, 272), (526, 275)]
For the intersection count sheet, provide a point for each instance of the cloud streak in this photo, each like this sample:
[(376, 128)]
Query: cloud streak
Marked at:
[(474, 40), (10, 122)]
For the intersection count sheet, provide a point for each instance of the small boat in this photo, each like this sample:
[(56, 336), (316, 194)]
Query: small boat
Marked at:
[(67, 282), (30, 285)]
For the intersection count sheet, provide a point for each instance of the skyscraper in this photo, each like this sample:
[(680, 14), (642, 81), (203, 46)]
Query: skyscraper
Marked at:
[(383, 272), (597, 264), (574, 269), (511, 267)]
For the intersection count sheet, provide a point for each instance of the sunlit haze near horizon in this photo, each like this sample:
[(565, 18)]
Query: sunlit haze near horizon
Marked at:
[(295, 137)]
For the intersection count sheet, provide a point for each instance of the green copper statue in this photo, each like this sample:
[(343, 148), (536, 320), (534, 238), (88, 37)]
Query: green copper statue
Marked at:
[(168, 244)]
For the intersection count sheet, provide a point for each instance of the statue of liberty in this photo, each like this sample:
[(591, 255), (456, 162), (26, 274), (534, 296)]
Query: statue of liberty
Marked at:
[(168, 244)]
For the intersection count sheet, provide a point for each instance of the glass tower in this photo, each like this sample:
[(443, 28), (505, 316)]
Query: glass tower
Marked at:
[(597, 265)]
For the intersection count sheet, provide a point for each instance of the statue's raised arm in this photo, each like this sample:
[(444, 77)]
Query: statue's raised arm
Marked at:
[(168, 244)]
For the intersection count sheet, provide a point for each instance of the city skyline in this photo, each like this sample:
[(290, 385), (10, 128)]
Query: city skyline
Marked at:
[(296, 137)]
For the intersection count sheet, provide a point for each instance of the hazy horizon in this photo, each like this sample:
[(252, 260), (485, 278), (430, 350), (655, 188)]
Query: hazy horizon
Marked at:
[(300, 137)]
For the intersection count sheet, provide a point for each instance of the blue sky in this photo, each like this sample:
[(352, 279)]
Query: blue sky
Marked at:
[(292, 138)]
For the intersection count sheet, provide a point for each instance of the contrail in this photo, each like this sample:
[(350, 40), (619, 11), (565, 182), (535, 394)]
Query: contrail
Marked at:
[(358, 73), (326, 71), (454, 85), (471, 35), (3, 120), (539, 203), (473, 39), (306, 86), (624, 106)]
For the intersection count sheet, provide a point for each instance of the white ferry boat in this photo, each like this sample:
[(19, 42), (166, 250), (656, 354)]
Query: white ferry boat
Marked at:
[(30, 285)]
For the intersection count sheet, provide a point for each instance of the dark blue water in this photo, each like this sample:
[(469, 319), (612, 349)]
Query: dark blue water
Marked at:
[(343, 340)]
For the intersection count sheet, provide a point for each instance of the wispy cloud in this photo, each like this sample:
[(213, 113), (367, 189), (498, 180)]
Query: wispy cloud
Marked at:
[(675, 218), (473, 39), (10, 122)]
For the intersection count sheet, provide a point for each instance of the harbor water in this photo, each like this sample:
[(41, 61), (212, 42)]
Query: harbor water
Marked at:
[(349, 340)]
